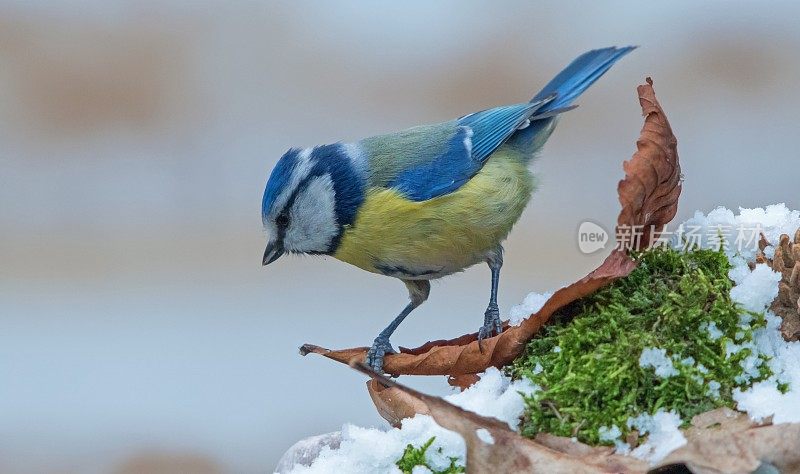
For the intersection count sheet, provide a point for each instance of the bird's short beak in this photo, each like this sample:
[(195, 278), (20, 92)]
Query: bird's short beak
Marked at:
[(273, 251)]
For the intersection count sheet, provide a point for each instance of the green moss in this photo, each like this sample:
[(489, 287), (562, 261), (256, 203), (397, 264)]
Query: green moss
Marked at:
[(413, 457), (587, 362)]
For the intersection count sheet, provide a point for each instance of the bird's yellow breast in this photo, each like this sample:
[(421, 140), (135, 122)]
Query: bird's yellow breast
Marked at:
[(396, 236)]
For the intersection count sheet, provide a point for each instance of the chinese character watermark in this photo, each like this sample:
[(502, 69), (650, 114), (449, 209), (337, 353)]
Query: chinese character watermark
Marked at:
[(592, 237)]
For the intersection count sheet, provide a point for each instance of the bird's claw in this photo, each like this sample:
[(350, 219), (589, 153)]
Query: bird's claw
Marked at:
[(492, 326), (380, 347)]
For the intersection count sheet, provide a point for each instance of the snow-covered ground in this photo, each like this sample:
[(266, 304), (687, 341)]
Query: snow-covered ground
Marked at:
[(370, 450), (755, 290)]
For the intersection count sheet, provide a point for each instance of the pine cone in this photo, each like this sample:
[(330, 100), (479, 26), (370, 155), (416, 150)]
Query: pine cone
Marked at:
[(786, 261)]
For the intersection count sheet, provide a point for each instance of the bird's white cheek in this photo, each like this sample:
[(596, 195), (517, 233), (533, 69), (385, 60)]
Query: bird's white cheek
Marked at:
[(313, 218), (271, 231)]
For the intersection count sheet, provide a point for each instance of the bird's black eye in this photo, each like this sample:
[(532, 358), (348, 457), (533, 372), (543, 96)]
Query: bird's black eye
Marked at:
[(282, 220)]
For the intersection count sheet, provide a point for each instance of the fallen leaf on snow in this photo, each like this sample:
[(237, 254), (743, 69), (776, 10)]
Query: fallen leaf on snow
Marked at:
[(727, 442), (508, 452)]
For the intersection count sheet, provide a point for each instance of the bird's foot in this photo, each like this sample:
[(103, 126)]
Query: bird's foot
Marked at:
[(492, 326), (380, 347)]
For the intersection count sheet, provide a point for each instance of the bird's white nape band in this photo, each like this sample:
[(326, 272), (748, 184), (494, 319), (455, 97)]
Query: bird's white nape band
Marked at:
[(357, 157)]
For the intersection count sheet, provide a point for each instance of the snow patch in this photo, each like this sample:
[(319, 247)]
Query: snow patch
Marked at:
[(369, 450), (495, 395), (711, 328), (484, 435), (756, 289), (531, 304), (657, 359), (713, 388), (609, 434), (663, 435), (738, 234), (764, 399)]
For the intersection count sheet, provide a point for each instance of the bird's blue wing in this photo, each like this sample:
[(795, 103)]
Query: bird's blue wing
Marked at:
[(473, 139), (492, 127), (452, 158), (440, 174)]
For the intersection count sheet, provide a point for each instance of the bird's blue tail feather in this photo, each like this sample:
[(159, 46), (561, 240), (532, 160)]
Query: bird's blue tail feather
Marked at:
[(577, 77), (567, 85)]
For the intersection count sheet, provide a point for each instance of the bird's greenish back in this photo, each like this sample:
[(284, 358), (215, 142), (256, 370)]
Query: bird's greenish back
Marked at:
[(390, 154)]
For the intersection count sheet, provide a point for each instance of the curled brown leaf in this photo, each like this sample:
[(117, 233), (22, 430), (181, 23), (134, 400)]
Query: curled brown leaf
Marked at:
[(652, 184), (393, 404)]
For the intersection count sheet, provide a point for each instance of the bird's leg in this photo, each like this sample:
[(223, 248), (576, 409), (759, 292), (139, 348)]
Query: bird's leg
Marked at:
[(491, 318), (418, 291)]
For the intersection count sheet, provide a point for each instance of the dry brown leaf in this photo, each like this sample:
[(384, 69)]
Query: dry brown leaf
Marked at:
[(723, 441), (572, 447), (462, 381), (510, 452), (652, 184), (393, 404), (719, 418), (497, 351)]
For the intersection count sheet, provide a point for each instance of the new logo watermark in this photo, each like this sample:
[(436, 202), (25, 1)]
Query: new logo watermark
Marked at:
[(591, 237)]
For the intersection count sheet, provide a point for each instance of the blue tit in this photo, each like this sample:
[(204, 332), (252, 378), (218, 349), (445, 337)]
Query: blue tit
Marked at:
[(425, 202)]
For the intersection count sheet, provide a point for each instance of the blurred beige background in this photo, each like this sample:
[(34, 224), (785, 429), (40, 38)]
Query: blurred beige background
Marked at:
[(138, 330)]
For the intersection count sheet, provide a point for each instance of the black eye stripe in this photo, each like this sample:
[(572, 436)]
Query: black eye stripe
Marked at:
[(282, 220)]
